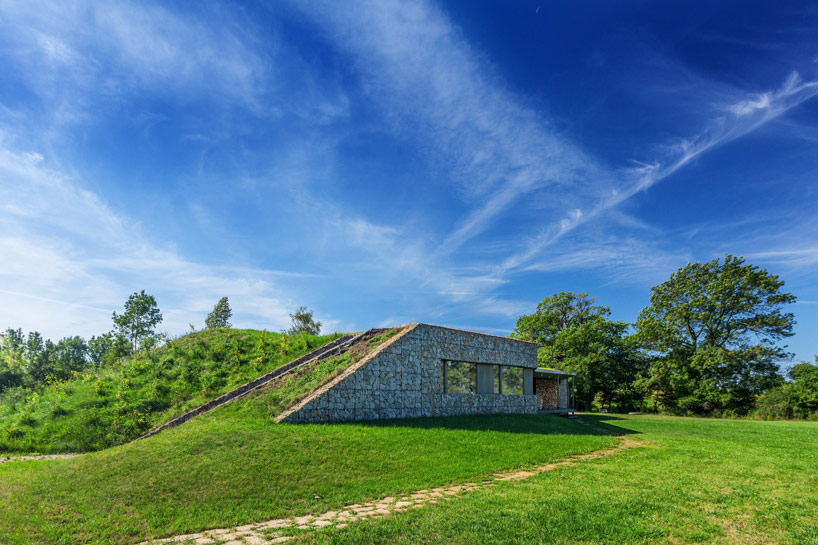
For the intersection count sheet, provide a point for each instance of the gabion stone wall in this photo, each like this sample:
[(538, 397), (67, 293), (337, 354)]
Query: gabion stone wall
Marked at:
[(564, 394), (403, 379)]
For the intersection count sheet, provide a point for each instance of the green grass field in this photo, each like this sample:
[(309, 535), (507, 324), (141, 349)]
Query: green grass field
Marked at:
[(235, 465), (694, 481), (688, 481)]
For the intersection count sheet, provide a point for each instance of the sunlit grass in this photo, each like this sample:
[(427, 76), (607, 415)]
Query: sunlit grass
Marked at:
[(235, 465)]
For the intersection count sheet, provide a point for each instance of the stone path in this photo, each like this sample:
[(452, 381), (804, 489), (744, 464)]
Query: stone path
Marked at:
[(4, 459), (277, 530)]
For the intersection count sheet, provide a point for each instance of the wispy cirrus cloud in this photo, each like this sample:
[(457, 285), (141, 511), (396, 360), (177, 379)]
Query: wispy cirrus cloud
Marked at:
[(75, 50), (501, 150), (741, 117), (431, 84), (521, 197)]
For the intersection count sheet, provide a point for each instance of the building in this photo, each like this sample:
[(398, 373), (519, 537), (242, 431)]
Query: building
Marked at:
[(427, 370)]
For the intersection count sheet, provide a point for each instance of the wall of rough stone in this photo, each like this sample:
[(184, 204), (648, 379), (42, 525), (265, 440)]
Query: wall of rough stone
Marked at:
[(403, 379), (564, 402)]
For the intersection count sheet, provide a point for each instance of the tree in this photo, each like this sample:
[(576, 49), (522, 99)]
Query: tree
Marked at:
[(555, 314), (140, 318), (798, 398), (302, 322), (105, 349), (12, 358), (712, 330), (70, 355), (220, 316), (575, 335)]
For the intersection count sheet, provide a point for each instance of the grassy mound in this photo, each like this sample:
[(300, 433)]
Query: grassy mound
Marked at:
[(115, 405)]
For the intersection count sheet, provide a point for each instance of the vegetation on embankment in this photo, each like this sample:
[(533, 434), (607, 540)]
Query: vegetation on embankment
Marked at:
[(695, 481), (236, 465), (287, 391), (111, 405)]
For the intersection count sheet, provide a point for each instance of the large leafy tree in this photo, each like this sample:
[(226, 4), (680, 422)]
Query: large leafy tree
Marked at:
[(137, 324), (574, 334), (303, 322), (712, 330), (220, 316), (556, 313)]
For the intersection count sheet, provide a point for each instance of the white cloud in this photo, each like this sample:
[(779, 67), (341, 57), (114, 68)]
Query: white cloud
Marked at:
[(432, 84), (795, 257), (418, 68), (69, 261), (121, 47), (744, 117)]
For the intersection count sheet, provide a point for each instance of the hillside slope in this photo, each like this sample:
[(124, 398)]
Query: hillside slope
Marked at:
[(115, 405)]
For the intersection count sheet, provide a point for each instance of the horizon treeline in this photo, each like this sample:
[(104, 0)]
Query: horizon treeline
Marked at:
[(708, 343)]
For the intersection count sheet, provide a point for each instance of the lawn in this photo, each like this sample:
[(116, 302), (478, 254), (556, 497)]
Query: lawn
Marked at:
[(687, 481), (693, 481), (235, 465)]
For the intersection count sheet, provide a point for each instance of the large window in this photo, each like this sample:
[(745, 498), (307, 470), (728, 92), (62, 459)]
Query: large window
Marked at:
[(460, 377), (512, 380)]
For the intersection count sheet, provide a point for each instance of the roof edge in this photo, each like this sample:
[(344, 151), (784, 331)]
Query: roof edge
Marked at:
[(475, 332)]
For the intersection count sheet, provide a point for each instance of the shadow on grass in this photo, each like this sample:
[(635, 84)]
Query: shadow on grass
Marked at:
[(542, 424), (602, 421)]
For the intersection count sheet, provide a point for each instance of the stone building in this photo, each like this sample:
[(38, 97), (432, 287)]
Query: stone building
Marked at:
[(427, 370)]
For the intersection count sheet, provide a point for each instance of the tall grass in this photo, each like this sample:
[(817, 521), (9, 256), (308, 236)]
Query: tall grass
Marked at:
[(114, 405)]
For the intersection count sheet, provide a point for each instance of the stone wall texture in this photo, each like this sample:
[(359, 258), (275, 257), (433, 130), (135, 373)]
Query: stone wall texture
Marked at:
[(403, 379), (564, 401)]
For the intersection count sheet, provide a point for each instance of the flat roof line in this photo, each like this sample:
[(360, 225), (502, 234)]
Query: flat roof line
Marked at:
[(542, 371)]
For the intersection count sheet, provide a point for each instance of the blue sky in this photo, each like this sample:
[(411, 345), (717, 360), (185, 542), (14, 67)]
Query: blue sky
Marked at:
[(386, 163)]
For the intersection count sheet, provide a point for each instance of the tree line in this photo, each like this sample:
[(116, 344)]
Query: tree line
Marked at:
[(707, 343), (31, 360)]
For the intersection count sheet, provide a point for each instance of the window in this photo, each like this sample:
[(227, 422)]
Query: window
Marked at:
[(512, 380), (497, 374), (460, 377)]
